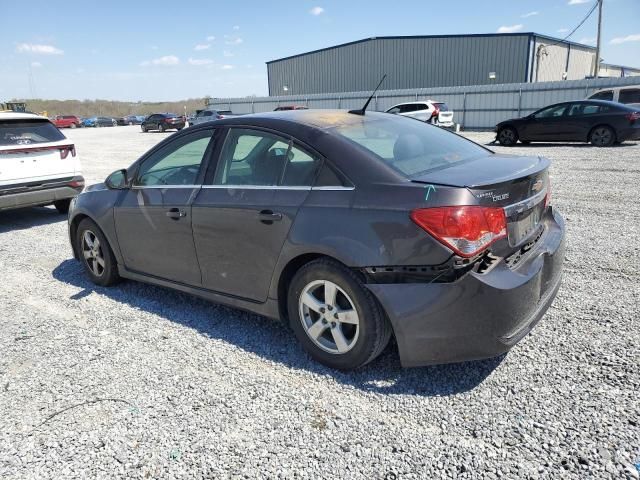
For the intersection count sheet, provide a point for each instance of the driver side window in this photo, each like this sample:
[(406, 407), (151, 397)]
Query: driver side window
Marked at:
[(551, 112), (176, 164)]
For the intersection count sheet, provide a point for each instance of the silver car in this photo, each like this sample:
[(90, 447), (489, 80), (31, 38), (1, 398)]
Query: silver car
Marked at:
[(430, 111)]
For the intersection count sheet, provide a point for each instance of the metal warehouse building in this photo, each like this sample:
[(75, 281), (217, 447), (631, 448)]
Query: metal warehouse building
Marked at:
[(431, 61)]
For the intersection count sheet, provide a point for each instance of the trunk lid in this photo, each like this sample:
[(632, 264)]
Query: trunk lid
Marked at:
[(518, 184), (20, 164)]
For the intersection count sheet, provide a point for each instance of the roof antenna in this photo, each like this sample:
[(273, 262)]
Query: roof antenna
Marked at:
[(362, 110)]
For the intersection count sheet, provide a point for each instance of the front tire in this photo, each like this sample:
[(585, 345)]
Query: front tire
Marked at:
[(507, 136), (161, 127), (335, 318), (62, 205), (602, 136), (73, 125), (96, 255)]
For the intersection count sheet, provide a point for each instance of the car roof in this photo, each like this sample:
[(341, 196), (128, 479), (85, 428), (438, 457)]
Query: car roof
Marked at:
[(599, 102), (315, 118), (620, 87), (20, 116)]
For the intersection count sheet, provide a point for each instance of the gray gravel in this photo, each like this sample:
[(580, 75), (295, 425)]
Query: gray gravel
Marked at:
[(164, 385)]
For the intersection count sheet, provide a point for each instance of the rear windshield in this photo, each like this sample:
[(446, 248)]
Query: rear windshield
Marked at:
[(442, 106), (409, 146), (28, 133)]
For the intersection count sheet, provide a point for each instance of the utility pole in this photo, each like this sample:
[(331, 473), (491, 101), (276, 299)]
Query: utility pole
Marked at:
[(596, 67)]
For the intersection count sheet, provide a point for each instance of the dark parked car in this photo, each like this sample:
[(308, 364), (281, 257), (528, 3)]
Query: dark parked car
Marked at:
[(599, 122), (162, 122), (99, 122), (352, 228), (131, 120)]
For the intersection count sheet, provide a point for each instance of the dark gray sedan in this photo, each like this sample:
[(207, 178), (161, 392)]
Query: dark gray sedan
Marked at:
[(351, 228)]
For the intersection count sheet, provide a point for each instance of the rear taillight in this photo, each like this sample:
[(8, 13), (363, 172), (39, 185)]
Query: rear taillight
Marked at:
[(436, 111), (466, 230), (76, 183), (66, 150), (218, 117), (633, 116)]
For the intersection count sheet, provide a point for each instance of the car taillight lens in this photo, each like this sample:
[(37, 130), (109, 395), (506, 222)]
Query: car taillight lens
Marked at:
[(76, 183), (466, 230), (633, 116), (66, 150)]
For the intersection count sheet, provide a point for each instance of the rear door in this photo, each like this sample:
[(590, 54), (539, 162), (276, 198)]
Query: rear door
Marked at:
[(153, 219), (242, 216)]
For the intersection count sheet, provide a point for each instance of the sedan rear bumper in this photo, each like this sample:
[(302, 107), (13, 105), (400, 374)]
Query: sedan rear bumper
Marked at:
[(480, 315), (631, 133), (42, 194)]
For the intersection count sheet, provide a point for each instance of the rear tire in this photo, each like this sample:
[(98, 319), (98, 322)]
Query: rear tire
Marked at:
[(345, 331), (161, 127), (602, 136), (507, 136), (143, 128), (96, 255), (62, 205)]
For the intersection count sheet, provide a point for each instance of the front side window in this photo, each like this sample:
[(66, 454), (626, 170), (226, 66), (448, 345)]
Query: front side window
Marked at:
[(394, 110), (28, 132), (604, 95), (252, 157), (409, 147), (551, 112), (178, 163)]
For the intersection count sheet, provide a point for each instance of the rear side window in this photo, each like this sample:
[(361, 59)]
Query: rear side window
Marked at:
[(252, 157), (629, 95), (409, 147), (28, 133), (604, 95), (409, 107)]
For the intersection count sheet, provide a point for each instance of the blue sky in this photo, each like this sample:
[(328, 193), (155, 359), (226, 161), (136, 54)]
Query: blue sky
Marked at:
[(159, 50)]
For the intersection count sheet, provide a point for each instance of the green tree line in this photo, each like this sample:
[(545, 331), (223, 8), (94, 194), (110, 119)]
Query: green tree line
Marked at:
[(110, 108)]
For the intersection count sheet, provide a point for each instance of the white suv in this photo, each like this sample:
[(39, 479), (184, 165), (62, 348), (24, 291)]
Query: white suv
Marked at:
[(38, 164), (430, 111)]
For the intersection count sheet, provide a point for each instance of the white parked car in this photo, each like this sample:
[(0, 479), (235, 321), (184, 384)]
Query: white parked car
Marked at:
[(628, 95), (38, 164), (430, 111)]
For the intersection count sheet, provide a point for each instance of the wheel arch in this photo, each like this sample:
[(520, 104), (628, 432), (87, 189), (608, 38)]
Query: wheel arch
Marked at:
[(73, 231)]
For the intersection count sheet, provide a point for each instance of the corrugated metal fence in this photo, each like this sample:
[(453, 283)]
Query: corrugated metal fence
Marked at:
[(476, 107)]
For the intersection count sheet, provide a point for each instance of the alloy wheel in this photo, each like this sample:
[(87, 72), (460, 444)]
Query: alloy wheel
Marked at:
[(507, 136), (601, 136), (329, 316), (92, 253)]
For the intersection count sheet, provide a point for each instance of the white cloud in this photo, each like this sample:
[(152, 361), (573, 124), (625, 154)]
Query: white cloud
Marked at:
[(563, 30), (629, 38), (200, 61), (529, 14), (227, 67), (588, 40), (167, 60), (202, 46), (40, 49), (232, 40), (227, 53), (36, 64), (236, 27), (316, 11), (578, 2), (510, 28), (210, 38)]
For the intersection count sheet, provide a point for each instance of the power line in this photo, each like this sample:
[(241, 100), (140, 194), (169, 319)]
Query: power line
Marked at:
[(593, 9)]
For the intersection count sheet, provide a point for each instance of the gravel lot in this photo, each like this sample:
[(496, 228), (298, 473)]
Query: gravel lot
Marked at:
[(164, 385)]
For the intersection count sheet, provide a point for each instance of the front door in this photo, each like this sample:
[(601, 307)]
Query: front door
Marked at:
[(242, 218), (153, 220), (547, 125)]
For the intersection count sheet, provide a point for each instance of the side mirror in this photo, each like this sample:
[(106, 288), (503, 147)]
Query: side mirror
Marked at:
[(117, 180)]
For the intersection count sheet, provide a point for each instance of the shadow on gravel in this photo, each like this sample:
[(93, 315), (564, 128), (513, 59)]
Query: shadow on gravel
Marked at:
[(274, 342), (24, 218)]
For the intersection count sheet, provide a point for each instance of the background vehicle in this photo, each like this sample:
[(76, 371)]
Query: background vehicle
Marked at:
[(210, 114), (99, 122), (436, 113), (349, 226), (162, 122), (599, 122), (284, 108), (626, 95), (38, 165), (130, 120), (67, 121)]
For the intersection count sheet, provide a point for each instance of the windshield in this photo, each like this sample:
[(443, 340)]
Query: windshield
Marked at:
[(409, 146), (28, 133)]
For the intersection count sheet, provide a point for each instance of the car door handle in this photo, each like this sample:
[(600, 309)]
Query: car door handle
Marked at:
[(268, 216), (176, 213)]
